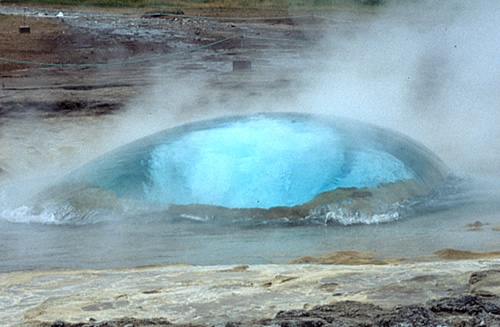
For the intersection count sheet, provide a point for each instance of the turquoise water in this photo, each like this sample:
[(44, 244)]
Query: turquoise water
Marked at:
[(263, 163), (259, 162)]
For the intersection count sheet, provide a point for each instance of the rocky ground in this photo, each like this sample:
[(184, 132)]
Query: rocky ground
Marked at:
[(110, 56), (461, 294), (462, 311)]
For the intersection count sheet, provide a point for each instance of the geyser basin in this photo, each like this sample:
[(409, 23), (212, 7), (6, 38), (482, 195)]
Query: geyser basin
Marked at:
[(266, 165)]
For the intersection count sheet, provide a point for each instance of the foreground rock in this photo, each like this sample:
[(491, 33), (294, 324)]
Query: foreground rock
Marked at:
[(462, 311), (459, 293)]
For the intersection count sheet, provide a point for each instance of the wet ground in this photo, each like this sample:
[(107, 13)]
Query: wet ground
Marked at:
[(112, 57), (463, 293)]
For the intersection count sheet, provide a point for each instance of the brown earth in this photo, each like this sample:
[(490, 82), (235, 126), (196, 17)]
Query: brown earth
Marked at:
[(42, 44), (342, 258), (54, 40), (452, 254), (93, 62)]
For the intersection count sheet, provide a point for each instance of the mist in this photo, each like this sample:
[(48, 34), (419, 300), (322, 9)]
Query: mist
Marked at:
[(429, 70)]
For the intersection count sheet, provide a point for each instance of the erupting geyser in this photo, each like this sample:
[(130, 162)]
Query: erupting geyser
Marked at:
[(266, 165)]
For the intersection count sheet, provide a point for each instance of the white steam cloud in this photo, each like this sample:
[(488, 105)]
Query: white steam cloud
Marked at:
[(429, 69)]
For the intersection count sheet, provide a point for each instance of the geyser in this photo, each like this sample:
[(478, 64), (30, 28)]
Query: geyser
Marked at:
[(265, 165)]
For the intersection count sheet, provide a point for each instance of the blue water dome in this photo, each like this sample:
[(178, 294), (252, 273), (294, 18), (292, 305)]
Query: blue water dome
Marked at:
[(262, 161)]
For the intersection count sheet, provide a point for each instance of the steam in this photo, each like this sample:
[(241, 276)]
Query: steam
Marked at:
[(430, 70), (427, 69)]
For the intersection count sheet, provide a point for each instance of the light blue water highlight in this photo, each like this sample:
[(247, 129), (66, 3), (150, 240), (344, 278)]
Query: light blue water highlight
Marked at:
[(263, 163)]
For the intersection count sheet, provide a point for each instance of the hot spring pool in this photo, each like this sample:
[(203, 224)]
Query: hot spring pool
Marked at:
[(264, 188)]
